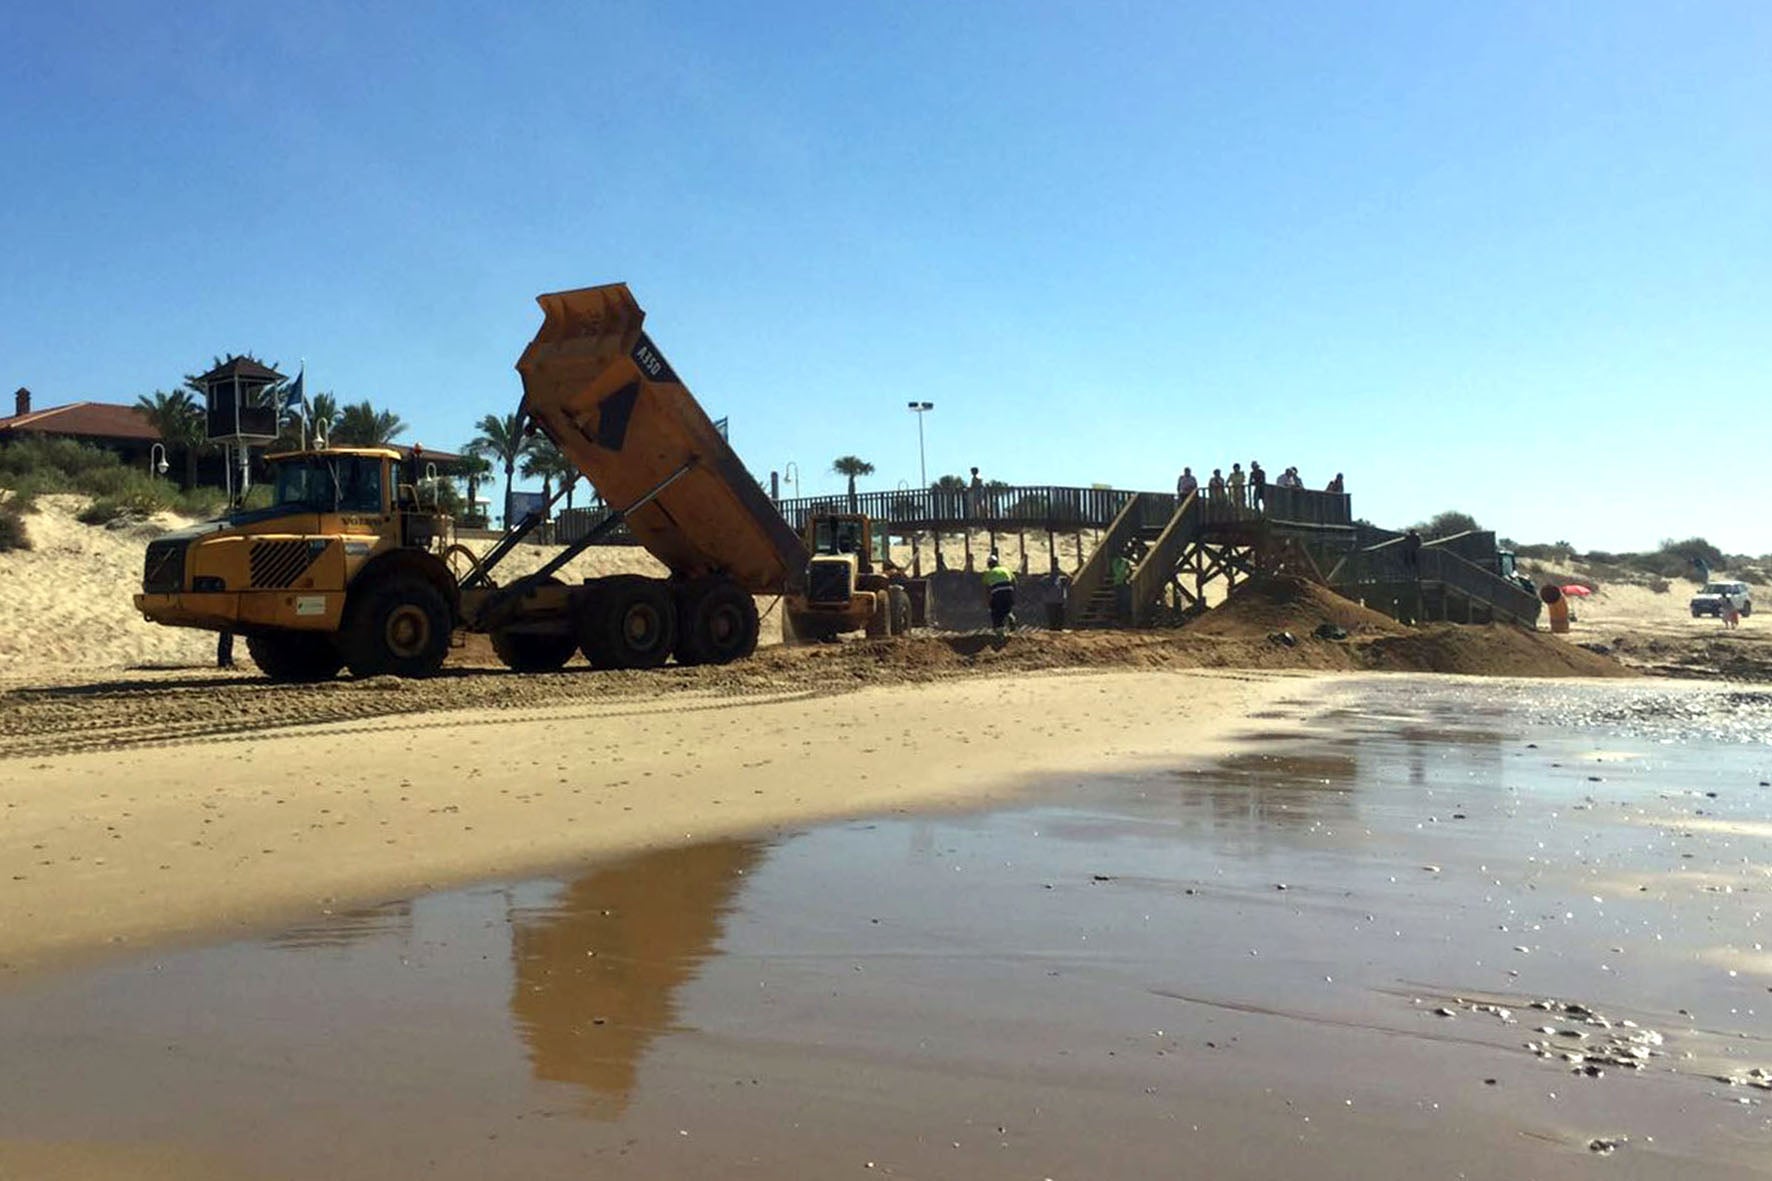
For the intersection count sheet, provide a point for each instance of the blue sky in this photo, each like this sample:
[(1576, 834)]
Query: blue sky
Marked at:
[(1509, 258)]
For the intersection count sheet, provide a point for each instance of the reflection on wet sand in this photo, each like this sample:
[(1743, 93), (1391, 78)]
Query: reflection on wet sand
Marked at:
[(1262, 792), (345, 927), (597, 967)]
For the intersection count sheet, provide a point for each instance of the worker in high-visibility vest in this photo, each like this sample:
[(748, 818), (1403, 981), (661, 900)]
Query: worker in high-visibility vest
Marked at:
[(1000, 585)]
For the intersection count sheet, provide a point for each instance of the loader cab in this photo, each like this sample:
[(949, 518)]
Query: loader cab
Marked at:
[(845, 550), (838, 534)]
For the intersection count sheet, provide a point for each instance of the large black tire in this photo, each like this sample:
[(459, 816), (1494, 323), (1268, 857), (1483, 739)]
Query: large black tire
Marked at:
[(716, 622), (629, 622), (879, 625), (398, 626), (533, 652), (295, 656), (901, 610)]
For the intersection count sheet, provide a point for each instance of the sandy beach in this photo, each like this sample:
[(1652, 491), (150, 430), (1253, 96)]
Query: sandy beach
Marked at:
[(196, 838), (166, 825)]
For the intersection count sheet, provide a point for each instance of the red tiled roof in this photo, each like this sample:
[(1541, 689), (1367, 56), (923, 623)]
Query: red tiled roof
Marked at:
[(89, 420)]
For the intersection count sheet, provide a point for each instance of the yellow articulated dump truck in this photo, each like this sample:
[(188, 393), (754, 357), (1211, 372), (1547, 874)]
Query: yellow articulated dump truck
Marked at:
[(349, 567)]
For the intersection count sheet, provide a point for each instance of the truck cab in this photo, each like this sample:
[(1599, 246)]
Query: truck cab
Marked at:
[(293, 568)]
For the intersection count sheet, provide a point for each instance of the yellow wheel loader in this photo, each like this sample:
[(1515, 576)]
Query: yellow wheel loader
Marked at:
[(851, 584)]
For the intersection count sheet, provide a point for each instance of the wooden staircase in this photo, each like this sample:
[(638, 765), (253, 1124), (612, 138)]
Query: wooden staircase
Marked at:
[(1094, 600), (1102, 604)]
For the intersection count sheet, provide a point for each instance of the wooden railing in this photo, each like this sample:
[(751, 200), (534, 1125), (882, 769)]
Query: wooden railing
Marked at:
[(1037, 506), (1033, 507), (1097, 571), (1386, 564), (1158, 563)]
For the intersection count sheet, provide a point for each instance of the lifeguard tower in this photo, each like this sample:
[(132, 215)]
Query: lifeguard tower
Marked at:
[(240, 410)]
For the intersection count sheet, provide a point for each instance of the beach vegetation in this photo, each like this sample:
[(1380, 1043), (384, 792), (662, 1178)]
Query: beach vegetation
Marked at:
[(12, 530)]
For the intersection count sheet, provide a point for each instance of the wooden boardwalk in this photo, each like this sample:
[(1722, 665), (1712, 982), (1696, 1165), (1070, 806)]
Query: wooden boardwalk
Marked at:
[(1170, 550)]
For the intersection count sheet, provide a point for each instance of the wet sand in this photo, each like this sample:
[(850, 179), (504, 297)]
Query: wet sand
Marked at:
[(1413, 927), (224, 827)]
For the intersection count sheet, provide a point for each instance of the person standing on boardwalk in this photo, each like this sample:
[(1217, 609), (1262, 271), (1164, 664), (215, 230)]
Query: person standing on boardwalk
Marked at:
[(1257, 485), (1412, 553), (1187, 485), (974, 495), (1215, 486), (1336, 486), (1234, 484), (999, 584)]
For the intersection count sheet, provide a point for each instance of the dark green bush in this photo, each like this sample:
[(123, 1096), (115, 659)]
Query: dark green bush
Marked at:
[(12, 531)]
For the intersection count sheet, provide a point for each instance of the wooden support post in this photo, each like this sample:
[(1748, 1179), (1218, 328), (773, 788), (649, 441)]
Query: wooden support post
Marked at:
[(966, 537), (941, 563), (1052, 551), (1022, 541)]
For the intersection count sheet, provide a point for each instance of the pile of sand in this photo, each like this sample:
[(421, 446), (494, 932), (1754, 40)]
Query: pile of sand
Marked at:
[(1267, 605), (68, 598)]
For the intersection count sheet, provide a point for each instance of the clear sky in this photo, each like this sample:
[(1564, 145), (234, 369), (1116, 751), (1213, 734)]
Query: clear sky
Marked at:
[(1511, 258)]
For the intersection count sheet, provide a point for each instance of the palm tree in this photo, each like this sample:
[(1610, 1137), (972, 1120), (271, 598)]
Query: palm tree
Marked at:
[(475, 468), (852, 466), (501, 438), (323, 414), (542, 458), (362, 425), (179, 420)]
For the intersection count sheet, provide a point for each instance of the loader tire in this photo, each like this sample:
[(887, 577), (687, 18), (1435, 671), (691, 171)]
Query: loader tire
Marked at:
[(716, 623), (629, 622), (533, 652), (879, 625), (900, 600), (295, 656), (400, 627)]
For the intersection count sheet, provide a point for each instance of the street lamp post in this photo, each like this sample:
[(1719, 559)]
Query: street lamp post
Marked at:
[(920, 409), (790, 472), (157, 465)]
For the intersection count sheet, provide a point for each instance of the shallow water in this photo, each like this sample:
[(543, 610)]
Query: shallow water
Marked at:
[(1302, 954)]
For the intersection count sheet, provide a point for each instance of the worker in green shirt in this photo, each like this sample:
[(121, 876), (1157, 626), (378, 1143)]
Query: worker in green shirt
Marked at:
[(1000, 585)]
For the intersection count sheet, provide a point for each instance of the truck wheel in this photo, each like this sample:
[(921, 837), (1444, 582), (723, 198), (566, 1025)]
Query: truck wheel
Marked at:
[(295, 656), (400, 627), (630, 622), (879, 625), (717, 623), (533, 652), (901, 610)]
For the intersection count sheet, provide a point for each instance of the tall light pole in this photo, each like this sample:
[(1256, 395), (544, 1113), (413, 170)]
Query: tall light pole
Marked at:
[(790, 472), (920, 409)]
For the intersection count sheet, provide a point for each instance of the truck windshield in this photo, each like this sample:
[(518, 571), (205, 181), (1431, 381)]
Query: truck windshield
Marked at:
[(349, 483)]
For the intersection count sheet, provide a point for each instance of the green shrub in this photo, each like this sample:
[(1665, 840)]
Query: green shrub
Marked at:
[(41, 457), (208, 502), (12, 531), (1660, 586), (100, 512)]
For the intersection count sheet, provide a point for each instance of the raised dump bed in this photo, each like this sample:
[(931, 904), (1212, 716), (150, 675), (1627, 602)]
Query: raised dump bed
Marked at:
[(604, 393)]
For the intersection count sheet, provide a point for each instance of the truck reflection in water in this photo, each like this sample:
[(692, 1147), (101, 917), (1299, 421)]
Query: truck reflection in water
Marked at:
[(596, 970)]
